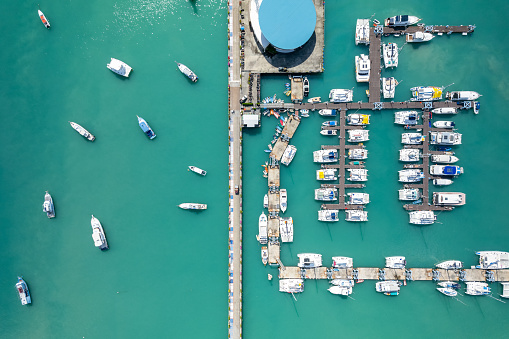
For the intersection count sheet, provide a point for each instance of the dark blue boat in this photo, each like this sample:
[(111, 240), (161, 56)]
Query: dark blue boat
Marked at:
[(146, 128)]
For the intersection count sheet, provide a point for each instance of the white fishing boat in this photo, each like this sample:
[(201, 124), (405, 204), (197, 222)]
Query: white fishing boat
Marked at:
[(362, 68), (342, 262), (357, 119), (389, 287), (329, 132), (401, 21), (442, 182), (450, 292), (82, 131), (412, 138), (356, 215), (422, 217), (328, 215), (325, 156), (266, 201), (450, 265), (326, 194), (288, 155), (262, 229), (119, 67), (265, 255), (291, 285), (283, 199), (462, 95), (395, 262), (390, 54), (193, 206), (357, 153), (341, 95), (493, 260), (286, 229), (419, 37), (389, 87), (48, 206), (444, 110), (409, 194), (445, 170), (315, 100), (309, 260), (426, 93), (357, 198), (98, 234), (305, 86), (449, 198), (445, 138), (198, 170), (477, 288), (328, 112), (145, 127), (406, 118), (326, 174), (358, 174), (43, 18), (187, 72), (505, 290), (340, 290), (409, 154), (358, 135), (23, 292), (362, 32), (444, 124), (410, 175)]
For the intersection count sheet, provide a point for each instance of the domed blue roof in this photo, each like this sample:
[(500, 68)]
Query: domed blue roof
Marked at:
[(287, 24)]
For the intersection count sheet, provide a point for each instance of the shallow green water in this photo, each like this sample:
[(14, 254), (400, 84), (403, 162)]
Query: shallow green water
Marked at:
[(165, 273)]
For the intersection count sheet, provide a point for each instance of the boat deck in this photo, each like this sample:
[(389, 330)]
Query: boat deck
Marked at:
[(297, 89)]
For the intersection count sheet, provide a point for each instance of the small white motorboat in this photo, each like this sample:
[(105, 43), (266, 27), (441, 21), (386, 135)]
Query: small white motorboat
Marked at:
[(48, 206), (23, 292), (265, 255), (262, 229), (401, 21), (450, 265), (329, 132), (198, 170), (462, 95), (444, 110), (98, 234), (419, 37), (442, 182), (444, 158), (283, 197), (187, 72), (146, 128), (119, 67), (265, 201), (82, 131), (45, 21), (192, 206), (328, 112), (444, 124), (450, 292)]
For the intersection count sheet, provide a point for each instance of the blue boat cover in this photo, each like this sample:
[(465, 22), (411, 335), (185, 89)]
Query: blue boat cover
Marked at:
[(450, 170)]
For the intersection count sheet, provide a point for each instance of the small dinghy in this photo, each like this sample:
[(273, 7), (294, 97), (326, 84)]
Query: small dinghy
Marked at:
[(187, 72), (146, 128), (442, 182), (45, 21), (86, 134), (98, 234), (198, 170), (192, 206), (48, 206)]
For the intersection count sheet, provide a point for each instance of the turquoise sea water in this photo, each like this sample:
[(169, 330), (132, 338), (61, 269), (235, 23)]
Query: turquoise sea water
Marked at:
[(165, 274)]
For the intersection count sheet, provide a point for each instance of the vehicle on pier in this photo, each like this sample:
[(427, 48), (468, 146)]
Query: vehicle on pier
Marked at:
[(447, 170), (288, 155), (362, 32), (48, 206), (445, 138), (82, 131), (450, 284), (450, 292), (450, 265), (328, 215), (449, 198), (362, 68), (401, 21), (357, 154), (193, 206), (444, 124), (444, 158), (356, 215), (389, 287), (146, 128), (409, 154), (326, 174), (286, 229), (23, 292), (291, 285), (419, 37), (326, 194), (390, 54), (395, 262), (283, 198), (406, 118), (328, 112), (422, 217), (444, 110), (410, 175), (477, 288), (45, 21), (493, 260), (119, 67), (198, 170), (412, 138), (187, 72), (309, 260), (98, 234), (358, 174), (357, 198), (389, 87), (409, 194), (357, 119), (305, 86), (358, 135), (265, 255), (342, 262), (325, 155), (341, 95), (462, 95), (315, 100), (262, 229), (442, 182), (426, 93), (328, 132)]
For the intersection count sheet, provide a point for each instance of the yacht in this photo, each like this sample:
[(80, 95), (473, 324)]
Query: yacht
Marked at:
[(445, 110), (187, 72), (449, 198), (445, 138), (330, 123), (286, 229), (119, 67), (422, 217), (358, 198), (477, 288), (198, 170), (450, 292), (357, 154), (265, 255), (328, 112), (358, 174), (357, 119), (266, 201), (325, 155), (341, 95), (262, 229), (305, 86), (505, 290), (326, 174), (419, 37), (340, 290), (442, 182), (291, 285), (315, 100), (48, 206), (98, 234), (45, 21), (389, 287), (283, 198), (406, 118), (146, 128), (401, 21), (410, 175), (328, 215), (450, 265), (288, 155), (449, 284), (389, 87), (409, 194), (356, 215), (395, 262), (362, 32), (412, 138), (444, 124), (342, 262), (390, 54), (493, 260), (477, 106), (362, 68), (409, 154), (426, 93), (193, 206), (86, 134), (329, 132), (23, 292), (358, 135), (462, 95), (446, 170), (326, 194), (309, 260)]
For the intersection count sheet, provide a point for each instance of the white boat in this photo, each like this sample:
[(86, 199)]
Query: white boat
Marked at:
[(389, 87), (444, 110), (309, 260), (341, 95), (328, 112), (119, 67), (193, 206), (23, 292), (304, 113), (419, 37), (145, 127), (444, 158), (477, 288), (445, 170), (409, 194), (390, 54), (505, 290), (187, 72), (410, 175), (450, 265), (409, 154), (328, 215), (197, 170), (450, 292), (326, 174), (82, 131), (43, 18), (286, 229), (412, 138), (358, 119), (450, 284), (288, 155), (462, 95), (442, 182), (426, 93), (422, 217), (305, 86), (315, 100), (445, 138), (283, 199), (262, 229), (389, 287), (358, 174), (362, 68), (340, 290), (362, 32), (329, 132), (401, 21), (330, 123), (493, 260), (291, 285), (342, 262), (358, 198), (357, 153), (444, 124), (48, 206), (449, 198), (477, 106), (98, 234), (395, 262), (266, 201), (325, 155), (406, 118), (326, 194), (265, 255), (356, 215), (358, 135)]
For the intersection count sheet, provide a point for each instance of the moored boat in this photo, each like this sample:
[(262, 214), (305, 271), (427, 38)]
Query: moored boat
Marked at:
[(450, 292), (444, 124), (401, 21), (409, 154), (357, 198), (328, 215), (330, 123), (493, 260), (305, 86), (342, 262), (357, 119), (444, 158), (409, 194), (326, 174), (444, 110), (449, 284), (146, 128), (340, 290), (357, 153), (315, 100), (82, 131), (291, 285), (450, 265), (389, 287), (362, 32), (362, 68), (477, 288), (358, 135), (406, 118), (442, 182), (449, 198), (505, 290), (462, 95), (389, 87), (43, 18), (390, 54), (329, 132), (309, 260), (192, 206), (328, 112), (48, 206), (410, 175), (356, 215), (286, 229), (412, 138), (119, 67), (358, 174), (265, 255), (426, 93), (395, 262), (23, 292), (422, 217), (98, 234), (325, 156), (326, 194), (283, 198), (198, 170), (419, 37), (266, 201), (288, 155), (445, 138), (341, 95), (187, 72), (262, 229), (445, 170)]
